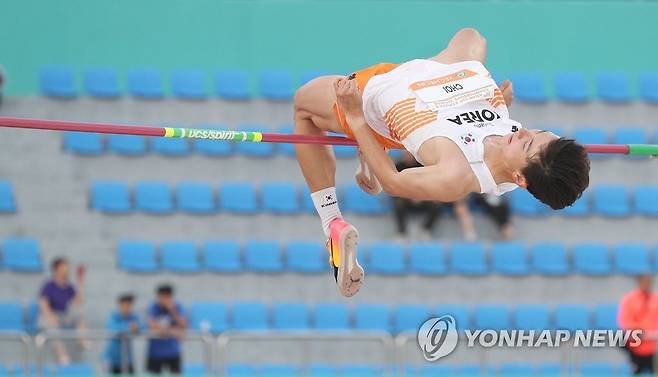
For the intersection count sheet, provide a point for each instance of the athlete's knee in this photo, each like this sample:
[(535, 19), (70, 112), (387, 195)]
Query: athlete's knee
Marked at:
[(300, 97), (471, 36)]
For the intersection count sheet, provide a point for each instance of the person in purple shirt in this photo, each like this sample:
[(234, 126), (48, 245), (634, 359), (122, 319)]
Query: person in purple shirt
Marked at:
[(60, 305)]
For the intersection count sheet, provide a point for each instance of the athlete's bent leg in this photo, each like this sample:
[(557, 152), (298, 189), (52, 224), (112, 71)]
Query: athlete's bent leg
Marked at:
[(314, 116)]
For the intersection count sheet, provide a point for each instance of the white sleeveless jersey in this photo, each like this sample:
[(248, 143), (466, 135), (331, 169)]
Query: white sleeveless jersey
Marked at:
[(422, 99)]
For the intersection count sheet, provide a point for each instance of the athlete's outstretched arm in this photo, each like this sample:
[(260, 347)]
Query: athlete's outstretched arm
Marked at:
[(466, 44), (425, 183)]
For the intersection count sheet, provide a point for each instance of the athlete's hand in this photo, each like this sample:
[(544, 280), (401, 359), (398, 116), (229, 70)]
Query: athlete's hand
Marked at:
[(366, 179), (348, 98), (508, 92)]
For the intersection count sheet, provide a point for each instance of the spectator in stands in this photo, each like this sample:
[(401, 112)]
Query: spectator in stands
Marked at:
[(125, 323), (167, 322), (60, 305), (402, 207), (638, 309), (497, 208)]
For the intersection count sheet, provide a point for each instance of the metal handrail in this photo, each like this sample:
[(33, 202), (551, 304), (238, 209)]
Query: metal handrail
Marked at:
[(25, 340), (227, 337), (42, 338)]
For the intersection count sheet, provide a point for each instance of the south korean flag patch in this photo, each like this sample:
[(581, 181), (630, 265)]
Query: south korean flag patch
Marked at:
[(467, 139)]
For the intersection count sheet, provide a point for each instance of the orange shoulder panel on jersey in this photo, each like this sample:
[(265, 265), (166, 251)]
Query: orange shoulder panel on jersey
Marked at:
[(362, 78)]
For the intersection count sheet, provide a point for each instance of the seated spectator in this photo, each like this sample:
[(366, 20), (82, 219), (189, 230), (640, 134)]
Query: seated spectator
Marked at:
[(497, 208), (60, 305), (125, 323), (402, 207), (167, 322)]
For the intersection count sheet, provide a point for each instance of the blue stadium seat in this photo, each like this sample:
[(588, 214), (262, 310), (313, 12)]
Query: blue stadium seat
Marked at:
[(290, 316), (306, 256), (516, 369), (307, 76), (277, 370), (409, 317), (145, 83), (468, 370), (232, 84), (357, 201), (468, 259), (110, 197), (275, 85), (194, 370), (580, 208), (137, 256), (195, 197), (84, 143), (590, 135), (571, 317), (213, 148), (432, 370), (12, 317), (321, 370), (258, 150), (523, 203), (509, 258), (209, 316), (102, 82), (57, 81), (532, 317), (631, 258), (459, 312), (7, 201), (385, 258), (361, 370), (630, 135), (372, 317), (649, 86), (427, 258), (238, 198), (613, 87), (188, 84), (495, 317), (73, 370), (250, 316), (549, 258), (179, 256), (612, 200), (153, 197), (592, 369), (605, 317), (172, 147), (529, 87), (263, 256), (548, 369), (646, 200), (571, 87), (331, 317), (591, 259), (287, 149), (221, 256), (127, 145), (280, 198), (21, 254)]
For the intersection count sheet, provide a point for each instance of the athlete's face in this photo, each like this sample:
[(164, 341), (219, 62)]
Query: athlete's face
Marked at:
[(522, 146)]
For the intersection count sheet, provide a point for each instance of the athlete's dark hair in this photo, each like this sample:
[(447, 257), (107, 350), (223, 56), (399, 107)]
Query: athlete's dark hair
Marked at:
[(559, 174), (54, 265)]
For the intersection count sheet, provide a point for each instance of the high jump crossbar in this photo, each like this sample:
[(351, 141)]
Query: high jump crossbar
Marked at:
[(251, 136)]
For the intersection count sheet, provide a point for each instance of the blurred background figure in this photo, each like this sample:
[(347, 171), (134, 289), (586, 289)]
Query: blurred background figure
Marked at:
[(498, 210), (167, 321), (2, 82), (125, 323), (431, 211), (638, 309), (60, 304)]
